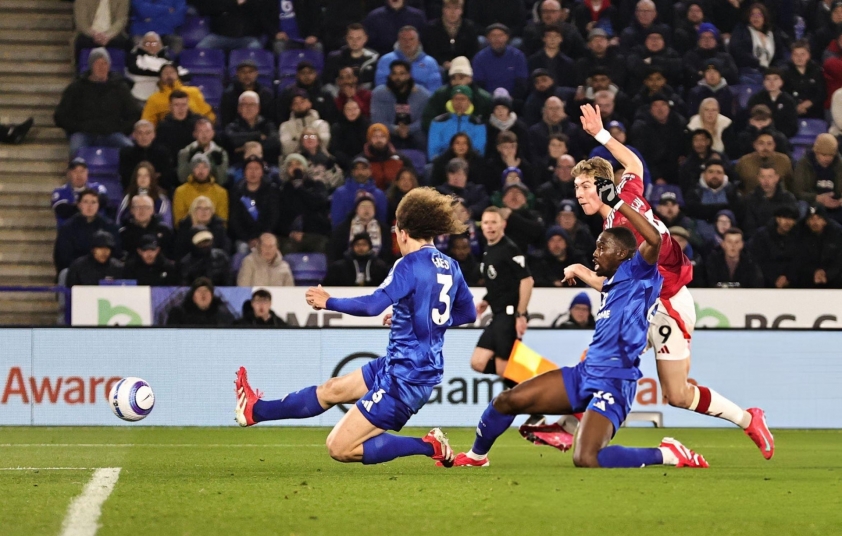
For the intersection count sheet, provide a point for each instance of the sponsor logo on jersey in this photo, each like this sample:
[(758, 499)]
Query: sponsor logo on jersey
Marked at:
[(492, 273), (603, 315)]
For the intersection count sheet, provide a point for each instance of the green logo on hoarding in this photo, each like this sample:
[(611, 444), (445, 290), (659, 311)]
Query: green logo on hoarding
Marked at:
[(119, 315), (709, 312)]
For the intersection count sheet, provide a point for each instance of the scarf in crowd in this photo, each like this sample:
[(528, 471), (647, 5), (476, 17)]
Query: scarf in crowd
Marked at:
[(288, 22), (503, 126), (373, 230), (764, 52)]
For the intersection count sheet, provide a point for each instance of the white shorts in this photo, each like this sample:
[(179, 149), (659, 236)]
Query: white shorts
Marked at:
[(672, 326)]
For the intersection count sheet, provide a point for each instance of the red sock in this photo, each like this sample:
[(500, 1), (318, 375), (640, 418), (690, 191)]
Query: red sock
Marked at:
[(578, 416), (704, 400)]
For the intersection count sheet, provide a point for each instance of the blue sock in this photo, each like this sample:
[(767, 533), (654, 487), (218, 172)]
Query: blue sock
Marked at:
[(491, 425), (387, 447), (298, 405), (616, 456)]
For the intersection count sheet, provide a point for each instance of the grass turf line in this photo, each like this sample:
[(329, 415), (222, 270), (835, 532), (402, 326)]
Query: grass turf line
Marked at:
[(284, 483)]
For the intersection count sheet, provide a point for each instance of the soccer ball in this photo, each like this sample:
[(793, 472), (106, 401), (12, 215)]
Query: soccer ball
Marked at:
[(131, 399)]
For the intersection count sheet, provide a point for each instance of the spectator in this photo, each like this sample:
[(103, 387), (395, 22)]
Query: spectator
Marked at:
[(358, 183), (601, 55), (75, 237), (581, 238), (689, 17), (251, 126), (203, 133), (554, 121), (501, 65), (254, 206), (748, 166), (824, 31), (161, 17), (645, 21), (654, 51), (660, 138), (730, 266), (303, 115), (157, 105), (759, 121), (246, 80), (424, 69), (145, 182), (361, 220), (236, 25), (504, 119), (559, 66), (766, 198), (596, 14), (450, 36), (578, 316), (385, 161), (358, 266), (558, 187), (97, 109), (348, 135), (265, 266), (818, 176), (202, 217), (406, 181), (200, 307), (149, 267), (176, 130), (708, 48), (383, 24), (512, 12), (597, 82), (803, 79), (473, 232), (783, 105), (712, 85), (712, 193), (307, 82), (349, 89), (775, 247), (460, 119), (820, 251), (549, 12), (618, 132), (701, 143), (459, 249), (144, 63), (756, 43), (457, 185), (460, 74), (399, 104), (204, 260), (97, 265), (548, 265), (543, 87), (65, 198), (507, 156), (199, 183), (655, 84), (352, 54), (305, 209), (143, 221), (311, 149), (523, 225), (460, 147), (299, 24), (720, 127), (100, 23), (669, 212), (257, 312), (144, 149)]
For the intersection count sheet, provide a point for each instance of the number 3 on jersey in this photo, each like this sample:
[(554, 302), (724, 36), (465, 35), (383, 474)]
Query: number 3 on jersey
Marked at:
[(446, 281)]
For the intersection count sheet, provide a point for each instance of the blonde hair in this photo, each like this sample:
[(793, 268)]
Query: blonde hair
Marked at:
[(594, 167), (199, 201)]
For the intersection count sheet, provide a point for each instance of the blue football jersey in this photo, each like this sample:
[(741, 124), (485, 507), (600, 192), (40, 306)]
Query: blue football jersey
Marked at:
[(426, 287), (622, 323)]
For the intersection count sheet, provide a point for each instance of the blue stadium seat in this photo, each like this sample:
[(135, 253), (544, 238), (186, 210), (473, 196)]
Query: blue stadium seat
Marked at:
[(114, 187), (194, 30), (660, 189), (751, 76), (307, 268), (203, 61), (211, 88), (798, 151), (264, 59), (418, 159), (743, 92), (118, 59), (237, 260), (808, 129), (102, 161), (288, 61)]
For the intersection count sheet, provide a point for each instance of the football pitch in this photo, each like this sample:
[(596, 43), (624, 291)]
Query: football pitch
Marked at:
[(228, 481)]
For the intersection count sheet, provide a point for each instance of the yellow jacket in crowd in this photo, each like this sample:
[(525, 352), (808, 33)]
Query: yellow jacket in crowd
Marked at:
[(158, 105), (187, 192)]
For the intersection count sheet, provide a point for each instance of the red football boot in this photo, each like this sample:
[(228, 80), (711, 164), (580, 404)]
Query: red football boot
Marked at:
[(246, 397), (552, 435), (759, 432), (462, 460), (686, 457), (442, 452)]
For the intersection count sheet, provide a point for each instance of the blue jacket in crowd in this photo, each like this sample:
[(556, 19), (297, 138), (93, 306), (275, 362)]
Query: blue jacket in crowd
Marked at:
[(445, 126), (507, 70), (384, 107), (344, 198), (382, 26), (425, 69), (155, 16)]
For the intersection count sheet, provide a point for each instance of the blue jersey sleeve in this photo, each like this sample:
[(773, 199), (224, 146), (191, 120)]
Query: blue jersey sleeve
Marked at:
[(397, 285), (400, 281), (464, 310), (640, 269)]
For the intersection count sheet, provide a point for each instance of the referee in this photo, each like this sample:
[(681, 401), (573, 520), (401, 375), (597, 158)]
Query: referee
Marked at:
[(509, 285)]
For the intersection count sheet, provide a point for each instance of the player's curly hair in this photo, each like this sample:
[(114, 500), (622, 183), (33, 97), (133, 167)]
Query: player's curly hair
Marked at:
[(594, 167), (424, 213)]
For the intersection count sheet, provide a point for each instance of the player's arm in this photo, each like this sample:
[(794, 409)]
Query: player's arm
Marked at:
[(371, 305), (585, 274), (525, 294), (650, 248), (592, 124), (464, 311)]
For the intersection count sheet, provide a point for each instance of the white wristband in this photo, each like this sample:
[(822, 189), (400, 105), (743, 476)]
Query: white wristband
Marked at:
[(602, 136), (619, 204)]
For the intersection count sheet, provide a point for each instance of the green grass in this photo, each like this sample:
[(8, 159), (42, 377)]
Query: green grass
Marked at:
[(207, 481)]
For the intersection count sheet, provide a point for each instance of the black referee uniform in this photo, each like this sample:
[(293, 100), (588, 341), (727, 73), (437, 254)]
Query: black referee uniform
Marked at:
[(503, 267)]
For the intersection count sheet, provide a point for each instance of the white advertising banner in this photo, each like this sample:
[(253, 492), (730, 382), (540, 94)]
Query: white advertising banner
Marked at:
[(62, 376)]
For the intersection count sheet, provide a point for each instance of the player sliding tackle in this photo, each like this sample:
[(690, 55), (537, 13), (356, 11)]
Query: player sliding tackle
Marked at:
[(675, 316), (428, 295), (604, 384)]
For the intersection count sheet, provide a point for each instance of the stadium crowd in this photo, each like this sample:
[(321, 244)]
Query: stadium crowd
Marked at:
[(735, 108)]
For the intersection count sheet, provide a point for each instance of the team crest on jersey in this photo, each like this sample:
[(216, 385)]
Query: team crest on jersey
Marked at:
[(492, 273)]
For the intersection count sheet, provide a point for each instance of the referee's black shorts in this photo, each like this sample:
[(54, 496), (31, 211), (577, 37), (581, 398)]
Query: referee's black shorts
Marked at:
[(499, 336)]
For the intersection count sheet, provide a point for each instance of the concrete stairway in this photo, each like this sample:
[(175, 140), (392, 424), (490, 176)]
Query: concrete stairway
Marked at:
[(35, 66)]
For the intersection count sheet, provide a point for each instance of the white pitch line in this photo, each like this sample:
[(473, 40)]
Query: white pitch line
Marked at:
[(82, 517), (45, 468)]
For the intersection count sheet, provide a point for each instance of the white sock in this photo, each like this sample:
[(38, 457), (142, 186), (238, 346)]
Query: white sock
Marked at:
[(669, 457), (478, 457), (709, 402)]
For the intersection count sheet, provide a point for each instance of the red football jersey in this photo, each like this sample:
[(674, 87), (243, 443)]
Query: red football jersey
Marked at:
[(673, 264)]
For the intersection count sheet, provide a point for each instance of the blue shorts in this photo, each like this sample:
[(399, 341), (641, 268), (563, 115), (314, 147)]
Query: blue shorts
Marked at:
[(610, 397), (390, 401)]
